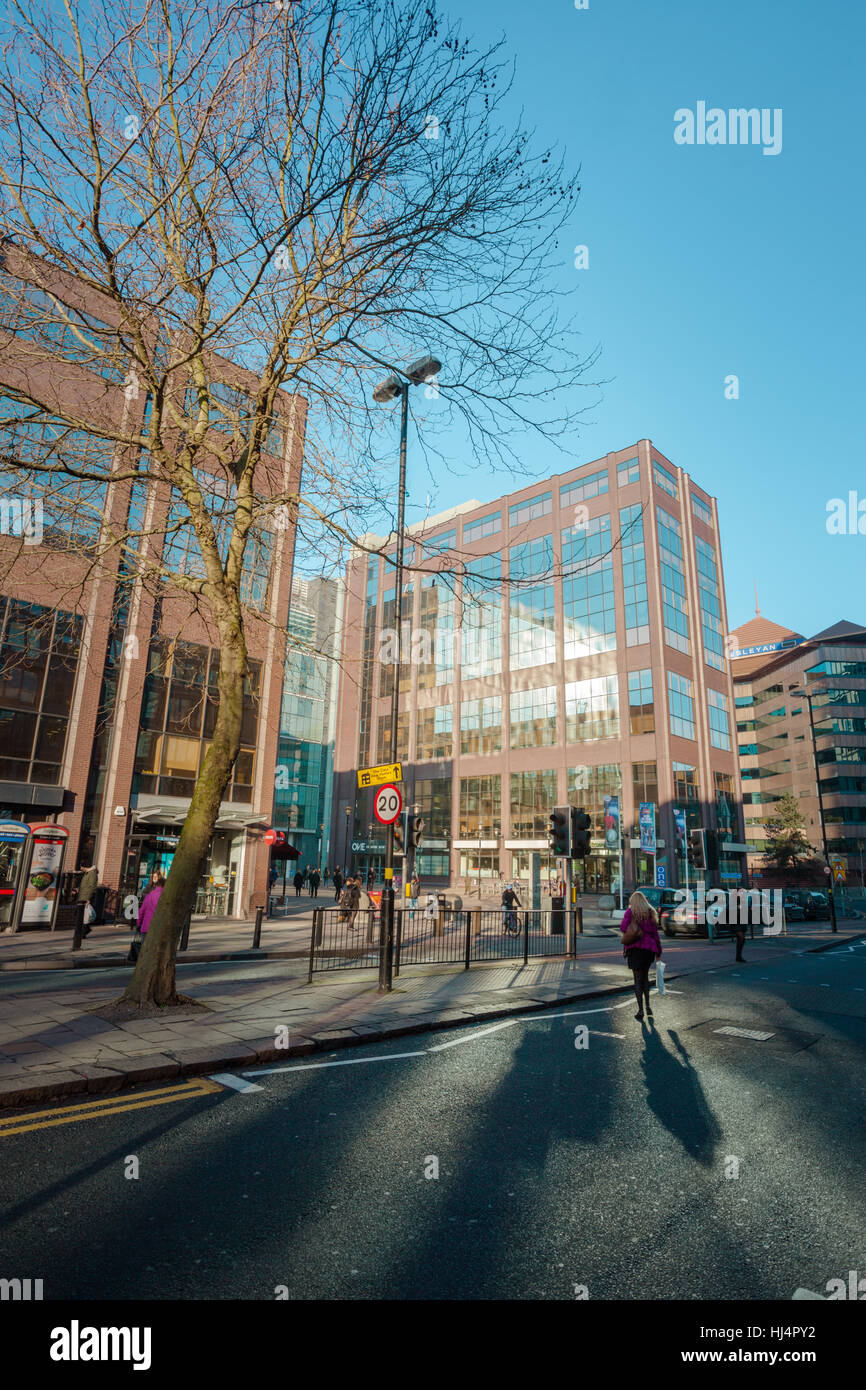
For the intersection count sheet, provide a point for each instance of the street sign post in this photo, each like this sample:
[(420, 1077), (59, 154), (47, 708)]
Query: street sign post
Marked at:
[(388, 804), (377, 776)]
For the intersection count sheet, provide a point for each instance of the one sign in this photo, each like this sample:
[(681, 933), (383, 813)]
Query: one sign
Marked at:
[(661, 875), (376, 776), (647, 823), (387, 805), (611, 822)]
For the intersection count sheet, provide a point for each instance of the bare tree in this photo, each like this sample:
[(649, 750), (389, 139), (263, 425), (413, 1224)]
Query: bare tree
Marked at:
[(307, 190)]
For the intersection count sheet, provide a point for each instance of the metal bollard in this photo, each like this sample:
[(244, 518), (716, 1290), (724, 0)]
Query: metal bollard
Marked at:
[(468, 938), (79, 927), (257, 930)]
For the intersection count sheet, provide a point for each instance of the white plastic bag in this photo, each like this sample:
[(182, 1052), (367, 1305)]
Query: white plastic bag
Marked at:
[(89, 914), (660, 976)]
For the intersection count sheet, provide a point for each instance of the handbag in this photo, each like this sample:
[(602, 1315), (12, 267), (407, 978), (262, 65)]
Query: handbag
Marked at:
[(633, 933)]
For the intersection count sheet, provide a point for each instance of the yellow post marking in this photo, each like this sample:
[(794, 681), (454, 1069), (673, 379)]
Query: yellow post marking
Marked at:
[(106, 1105)]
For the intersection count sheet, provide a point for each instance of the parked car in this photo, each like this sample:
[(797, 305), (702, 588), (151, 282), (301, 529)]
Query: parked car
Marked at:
[(794, 905), (688, 921)]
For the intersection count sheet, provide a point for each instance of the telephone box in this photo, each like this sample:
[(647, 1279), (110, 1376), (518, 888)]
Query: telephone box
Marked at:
[(14, 857), (36, 906)]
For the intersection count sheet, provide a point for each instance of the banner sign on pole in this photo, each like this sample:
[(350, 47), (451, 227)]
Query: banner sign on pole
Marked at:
[(647, 823), (680, 828), (611, 822)]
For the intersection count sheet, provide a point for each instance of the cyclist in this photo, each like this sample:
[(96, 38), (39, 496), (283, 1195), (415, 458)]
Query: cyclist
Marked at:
[(510, 901)]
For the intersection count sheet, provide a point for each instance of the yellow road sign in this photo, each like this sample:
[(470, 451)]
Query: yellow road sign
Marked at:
[(378, 776)]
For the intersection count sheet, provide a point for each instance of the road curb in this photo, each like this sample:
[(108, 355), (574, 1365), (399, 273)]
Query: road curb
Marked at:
[(194, 1061)]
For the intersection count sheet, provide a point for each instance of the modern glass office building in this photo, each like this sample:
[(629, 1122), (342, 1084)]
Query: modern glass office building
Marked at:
[(304, 778), (565, 643)]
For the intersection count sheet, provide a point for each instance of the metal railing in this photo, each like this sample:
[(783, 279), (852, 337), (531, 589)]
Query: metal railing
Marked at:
[(449, 936)]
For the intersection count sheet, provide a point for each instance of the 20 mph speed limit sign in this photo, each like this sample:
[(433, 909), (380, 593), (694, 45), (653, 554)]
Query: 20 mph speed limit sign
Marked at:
[(388, 804)]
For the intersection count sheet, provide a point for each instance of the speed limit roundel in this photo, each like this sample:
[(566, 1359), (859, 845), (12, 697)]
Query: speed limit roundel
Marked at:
[(388, 804)]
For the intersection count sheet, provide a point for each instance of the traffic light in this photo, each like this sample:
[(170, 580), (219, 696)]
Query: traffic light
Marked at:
[(414, 832), (581, 825), (399, 828), (698, 848), (557, 832), (712, 846)]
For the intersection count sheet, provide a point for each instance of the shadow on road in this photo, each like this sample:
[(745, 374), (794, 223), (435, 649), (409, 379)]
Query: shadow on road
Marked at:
[(676, 1097)]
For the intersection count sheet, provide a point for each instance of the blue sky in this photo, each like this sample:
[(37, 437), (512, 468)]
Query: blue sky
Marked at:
[(706, 261)]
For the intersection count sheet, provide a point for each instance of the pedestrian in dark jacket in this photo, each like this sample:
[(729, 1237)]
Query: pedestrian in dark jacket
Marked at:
[(315, 880), (86, 890), (298, 881), (338, 884), (350, 902)]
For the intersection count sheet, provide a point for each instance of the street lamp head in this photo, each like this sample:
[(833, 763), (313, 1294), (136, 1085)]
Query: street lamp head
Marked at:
[(387, 390), (423, 369)]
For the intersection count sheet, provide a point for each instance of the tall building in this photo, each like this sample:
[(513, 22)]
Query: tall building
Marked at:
[(107, 682), (305, 756), (769, 665), (562, 643)]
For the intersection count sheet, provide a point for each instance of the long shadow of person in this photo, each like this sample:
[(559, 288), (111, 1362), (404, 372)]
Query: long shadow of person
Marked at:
[(676, 1097)]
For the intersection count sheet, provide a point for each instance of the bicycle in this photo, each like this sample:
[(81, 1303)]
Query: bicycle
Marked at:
[(510, 924)]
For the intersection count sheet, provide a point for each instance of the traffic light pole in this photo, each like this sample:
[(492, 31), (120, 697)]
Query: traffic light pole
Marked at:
[(386, 929)]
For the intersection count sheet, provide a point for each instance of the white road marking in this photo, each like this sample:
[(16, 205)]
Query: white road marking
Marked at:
[(482, 1032), (597, 1033), (227, 1078), (346, 1062)]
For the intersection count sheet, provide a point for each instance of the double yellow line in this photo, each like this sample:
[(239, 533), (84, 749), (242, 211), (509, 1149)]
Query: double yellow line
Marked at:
[(107, 1105)]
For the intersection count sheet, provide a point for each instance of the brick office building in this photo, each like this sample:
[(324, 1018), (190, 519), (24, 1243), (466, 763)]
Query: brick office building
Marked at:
[(575, 647), (106, 682), (777, 756)]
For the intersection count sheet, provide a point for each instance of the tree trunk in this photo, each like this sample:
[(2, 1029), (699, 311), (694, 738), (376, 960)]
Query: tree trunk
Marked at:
[(153, 980)]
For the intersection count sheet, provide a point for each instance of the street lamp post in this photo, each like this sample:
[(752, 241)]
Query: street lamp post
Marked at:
[(346, 855), (388, 390), (800, 692)]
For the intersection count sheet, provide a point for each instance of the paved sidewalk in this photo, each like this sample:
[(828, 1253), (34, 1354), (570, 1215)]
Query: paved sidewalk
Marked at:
[(210, 938), (52, 1045)]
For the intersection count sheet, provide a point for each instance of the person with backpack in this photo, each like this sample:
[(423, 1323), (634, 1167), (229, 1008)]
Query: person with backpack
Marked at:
[(350, 902), (641, 945)]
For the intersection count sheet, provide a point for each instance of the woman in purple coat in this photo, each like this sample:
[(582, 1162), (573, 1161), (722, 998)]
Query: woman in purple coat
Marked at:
[(148, 906), (641, 945)]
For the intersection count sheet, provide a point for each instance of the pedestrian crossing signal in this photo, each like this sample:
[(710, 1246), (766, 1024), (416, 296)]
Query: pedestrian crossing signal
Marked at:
[(557, 832), (581, 825)]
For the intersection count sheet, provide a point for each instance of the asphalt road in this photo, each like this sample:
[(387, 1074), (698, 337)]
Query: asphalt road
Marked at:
[(610, 1166)]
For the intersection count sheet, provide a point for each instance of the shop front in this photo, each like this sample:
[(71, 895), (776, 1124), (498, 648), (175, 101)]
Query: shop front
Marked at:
[(152, 843)]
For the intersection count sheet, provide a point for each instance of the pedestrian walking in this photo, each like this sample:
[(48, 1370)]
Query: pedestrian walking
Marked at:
[(371, 879), (326, 875), (740, 938), (338, 884), (145, 916), (641, 945), (350, 902), (86, 890), (415, 887), (314, 883), (298, 881)]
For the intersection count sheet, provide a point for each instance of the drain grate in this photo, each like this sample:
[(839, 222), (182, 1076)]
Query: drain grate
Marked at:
[(753, 1033)]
